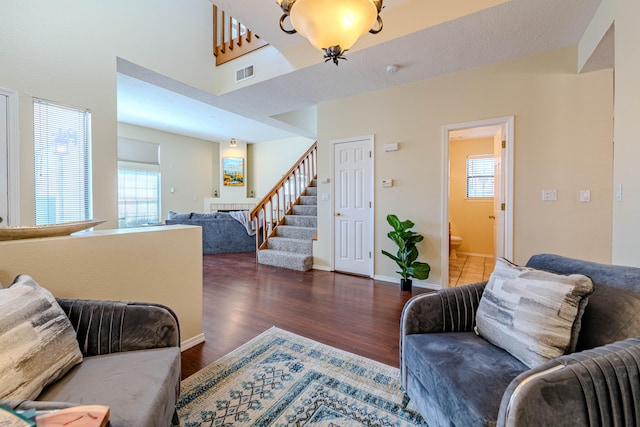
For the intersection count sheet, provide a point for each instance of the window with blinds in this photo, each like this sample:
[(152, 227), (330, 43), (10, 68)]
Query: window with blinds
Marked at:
[(138, 183), (138, 197), (480, 170), (62, 144)]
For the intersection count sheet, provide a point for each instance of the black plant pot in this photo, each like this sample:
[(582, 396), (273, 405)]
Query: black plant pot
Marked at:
[(405, 284)]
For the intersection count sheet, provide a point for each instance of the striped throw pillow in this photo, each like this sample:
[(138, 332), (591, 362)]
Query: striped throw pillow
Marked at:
[(534, 315), (37, 342)]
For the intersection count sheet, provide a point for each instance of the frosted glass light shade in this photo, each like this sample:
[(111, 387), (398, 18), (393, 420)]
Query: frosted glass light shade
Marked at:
[(327, 23)]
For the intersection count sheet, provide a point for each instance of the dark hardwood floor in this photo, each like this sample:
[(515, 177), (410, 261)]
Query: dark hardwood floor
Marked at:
[(243, 299)]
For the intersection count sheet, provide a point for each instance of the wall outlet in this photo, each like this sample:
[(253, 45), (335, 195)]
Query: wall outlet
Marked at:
[(549, 195)]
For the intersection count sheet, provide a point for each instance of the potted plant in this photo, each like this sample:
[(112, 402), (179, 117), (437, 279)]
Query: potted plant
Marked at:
[(407, 254)]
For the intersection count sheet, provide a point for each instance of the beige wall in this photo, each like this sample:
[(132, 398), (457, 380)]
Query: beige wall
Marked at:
[(469, 218), (271, 160), (626, 232), (133, 265), (624, 16), (563, 132), (189, 166), (562, 119)]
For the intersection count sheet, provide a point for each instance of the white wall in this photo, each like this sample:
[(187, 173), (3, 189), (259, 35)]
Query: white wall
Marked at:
[(65, 51), (563, 133)]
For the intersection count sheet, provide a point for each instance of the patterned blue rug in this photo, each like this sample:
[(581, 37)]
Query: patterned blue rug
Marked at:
[(282, 379)]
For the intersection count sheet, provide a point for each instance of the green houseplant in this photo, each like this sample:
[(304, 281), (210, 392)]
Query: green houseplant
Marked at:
[(407, 255)]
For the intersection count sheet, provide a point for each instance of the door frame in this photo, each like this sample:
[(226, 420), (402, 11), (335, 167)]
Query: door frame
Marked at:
[(13, 157), (507, 124), (333, 143)]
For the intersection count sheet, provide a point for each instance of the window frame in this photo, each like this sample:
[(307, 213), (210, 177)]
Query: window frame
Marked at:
[(61, 158), (470, 177), (146, 169)]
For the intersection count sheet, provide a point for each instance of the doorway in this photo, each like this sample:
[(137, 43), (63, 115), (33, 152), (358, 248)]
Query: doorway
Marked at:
[(352, 177), (477, 198)]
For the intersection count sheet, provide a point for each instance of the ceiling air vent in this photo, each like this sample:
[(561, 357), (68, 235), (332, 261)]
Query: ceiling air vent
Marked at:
[(244, 73)]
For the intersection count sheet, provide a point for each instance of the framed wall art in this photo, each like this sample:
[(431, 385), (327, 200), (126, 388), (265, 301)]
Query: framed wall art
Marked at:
[(233, 171)]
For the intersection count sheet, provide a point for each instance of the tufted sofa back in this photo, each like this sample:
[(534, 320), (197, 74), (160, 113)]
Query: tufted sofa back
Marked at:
[(612, 313)]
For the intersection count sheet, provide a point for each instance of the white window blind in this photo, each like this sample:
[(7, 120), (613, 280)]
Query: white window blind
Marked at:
[(480, 170), (131, 150), (62, 144)]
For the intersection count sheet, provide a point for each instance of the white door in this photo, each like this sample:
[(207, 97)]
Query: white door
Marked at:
[(4, 162), (353, 199), (498, 197)]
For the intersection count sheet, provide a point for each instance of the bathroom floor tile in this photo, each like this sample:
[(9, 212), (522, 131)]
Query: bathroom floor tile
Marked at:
[(466, 269)]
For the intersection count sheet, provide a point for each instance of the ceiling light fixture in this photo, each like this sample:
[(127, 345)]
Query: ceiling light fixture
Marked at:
[(392, 68), (233, 143), (332, 26)]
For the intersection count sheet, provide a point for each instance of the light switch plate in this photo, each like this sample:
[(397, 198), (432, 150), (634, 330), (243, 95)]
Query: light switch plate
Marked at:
[(387, 183), (585, 195), (549, 195)]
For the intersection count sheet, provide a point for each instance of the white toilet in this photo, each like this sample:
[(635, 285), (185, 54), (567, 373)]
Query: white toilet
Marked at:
[(454, 243)]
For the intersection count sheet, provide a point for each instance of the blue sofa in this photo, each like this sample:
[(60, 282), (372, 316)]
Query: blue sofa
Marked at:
[(220, 232), (456, 378)]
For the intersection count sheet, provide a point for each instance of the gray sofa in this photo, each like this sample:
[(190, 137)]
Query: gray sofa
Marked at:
[(220, 232), (456, 378), (131, 363)]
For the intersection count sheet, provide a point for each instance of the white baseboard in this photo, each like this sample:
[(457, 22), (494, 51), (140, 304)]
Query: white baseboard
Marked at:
[(192, 342), (321, 267)]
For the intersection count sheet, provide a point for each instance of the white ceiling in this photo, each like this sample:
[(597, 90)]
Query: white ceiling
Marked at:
[(144, 104), (507, 31)]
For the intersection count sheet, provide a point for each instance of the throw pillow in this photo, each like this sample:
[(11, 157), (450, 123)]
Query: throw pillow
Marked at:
[(37, 340), (534, 315), (179, 216), (196, 215)]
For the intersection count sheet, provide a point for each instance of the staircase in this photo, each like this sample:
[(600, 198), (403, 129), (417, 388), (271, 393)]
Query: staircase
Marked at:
[(292, 244), (287, 217)]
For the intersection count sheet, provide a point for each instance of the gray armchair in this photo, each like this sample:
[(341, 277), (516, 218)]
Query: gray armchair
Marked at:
[(455, 378), (131, 363)]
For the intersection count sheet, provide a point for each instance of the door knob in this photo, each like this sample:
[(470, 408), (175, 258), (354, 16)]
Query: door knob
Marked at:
[(1, 219), (338, 214), (492, 217)]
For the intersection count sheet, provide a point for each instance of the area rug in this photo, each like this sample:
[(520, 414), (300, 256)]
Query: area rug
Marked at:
[(283, 379)]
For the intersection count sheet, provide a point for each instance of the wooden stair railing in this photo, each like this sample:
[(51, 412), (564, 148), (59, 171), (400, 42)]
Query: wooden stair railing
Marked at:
[(231, 39), (279, 201)]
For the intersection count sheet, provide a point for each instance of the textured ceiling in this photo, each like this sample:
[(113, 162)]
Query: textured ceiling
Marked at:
[(506, 31)]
